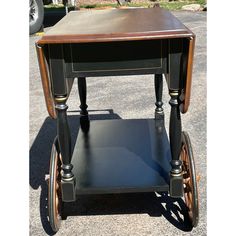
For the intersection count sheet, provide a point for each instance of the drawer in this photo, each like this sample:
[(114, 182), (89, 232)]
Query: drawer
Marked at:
[(115, 58)]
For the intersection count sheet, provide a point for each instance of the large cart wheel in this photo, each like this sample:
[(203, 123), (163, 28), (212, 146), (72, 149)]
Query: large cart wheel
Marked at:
[(189, 180), (54, 189)]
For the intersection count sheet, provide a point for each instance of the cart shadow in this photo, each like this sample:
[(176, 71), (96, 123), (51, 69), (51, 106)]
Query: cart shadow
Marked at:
[(174, 210), (153, 204)]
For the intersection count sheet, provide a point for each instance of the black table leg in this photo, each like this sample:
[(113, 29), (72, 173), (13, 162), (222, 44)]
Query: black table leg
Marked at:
[(159, 112), (176, 177), (158, 82), (64, 138), (82, 95)]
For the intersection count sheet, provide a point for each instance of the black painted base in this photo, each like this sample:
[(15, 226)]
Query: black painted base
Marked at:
[(176, 186), (118, 156), (68, 190)]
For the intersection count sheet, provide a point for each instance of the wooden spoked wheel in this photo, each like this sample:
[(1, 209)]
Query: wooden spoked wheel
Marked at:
[(189, 180), (54, 189)]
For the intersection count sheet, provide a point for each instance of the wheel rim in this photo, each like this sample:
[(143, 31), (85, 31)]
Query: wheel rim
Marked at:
[(33, 12), (54, 195), (57, 193), (189, 181)]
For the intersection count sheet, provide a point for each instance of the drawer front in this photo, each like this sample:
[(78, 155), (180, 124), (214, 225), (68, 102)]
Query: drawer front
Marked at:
[(115, 58)]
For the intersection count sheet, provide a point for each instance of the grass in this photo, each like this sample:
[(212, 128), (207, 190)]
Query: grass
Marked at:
[(174, 5), (167, 5), (91, 6), (201, 2), (59, 7)]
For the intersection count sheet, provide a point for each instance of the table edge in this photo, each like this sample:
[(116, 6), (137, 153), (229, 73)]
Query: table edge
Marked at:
[(95, 38)]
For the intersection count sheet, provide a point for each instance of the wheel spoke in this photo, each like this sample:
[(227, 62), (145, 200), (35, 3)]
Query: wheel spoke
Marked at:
[(186, 180)]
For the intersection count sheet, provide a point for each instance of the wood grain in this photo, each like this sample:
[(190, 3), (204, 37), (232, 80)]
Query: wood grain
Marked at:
[(189, 75), (116, 25), (45, 82)]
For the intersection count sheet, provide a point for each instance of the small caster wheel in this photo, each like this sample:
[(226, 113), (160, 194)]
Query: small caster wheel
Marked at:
[(54, 188), (189, 180)]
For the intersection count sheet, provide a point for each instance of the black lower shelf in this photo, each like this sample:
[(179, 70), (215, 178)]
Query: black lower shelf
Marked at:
[(118, 156)]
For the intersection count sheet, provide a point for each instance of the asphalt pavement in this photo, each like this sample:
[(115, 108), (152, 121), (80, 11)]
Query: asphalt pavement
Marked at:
[(126, 97)]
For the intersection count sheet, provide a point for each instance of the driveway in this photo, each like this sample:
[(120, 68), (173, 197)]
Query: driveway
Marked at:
[(128, 98)]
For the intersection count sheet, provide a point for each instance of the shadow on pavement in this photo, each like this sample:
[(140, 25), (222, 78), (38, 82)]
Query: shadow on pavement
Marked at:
[(153, 204), (156, 205), (51, 17)]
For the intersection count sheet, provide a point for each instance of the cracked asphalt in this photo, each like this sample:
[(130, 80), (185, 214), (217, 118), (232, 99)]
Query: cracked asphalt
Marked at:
[(126, 97)]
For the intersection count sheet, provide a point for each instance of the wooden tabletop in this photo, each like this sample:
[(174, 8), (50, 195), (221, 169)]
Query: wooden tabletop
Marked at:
[(116, 25)]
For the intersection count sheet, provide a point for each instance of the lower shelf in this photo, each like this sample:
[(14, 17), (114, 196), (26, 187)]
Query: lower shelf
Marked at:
[(118, 156)]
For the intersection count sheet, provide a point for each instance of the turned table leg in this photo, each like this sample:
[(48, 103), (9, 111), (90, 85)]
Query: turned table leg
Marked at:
[(82, 87), (175, 129), (158, 82), (64, 138)]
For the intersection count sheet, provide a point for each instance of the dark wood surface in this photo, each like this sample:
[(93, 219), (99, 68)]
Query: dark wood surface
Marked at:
[(81, 33), (45, 82), (116, 25), (189, 72), (113, 156)]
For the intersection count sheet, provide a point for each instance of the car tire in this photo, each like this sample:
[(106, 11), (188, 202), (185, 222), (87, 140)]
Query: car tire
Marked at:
[(36, 15)]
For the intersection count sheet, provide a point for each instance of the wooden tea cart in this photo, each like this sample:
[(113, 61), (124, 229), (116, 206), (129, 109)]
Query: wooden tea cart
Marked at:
[(119, 156)]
